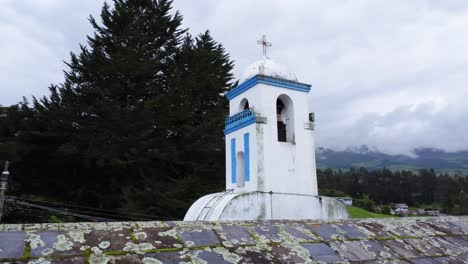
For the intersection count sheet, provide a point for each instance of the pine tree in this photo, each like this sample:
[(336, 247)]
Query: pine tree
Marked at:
[(197, 113), (139, 115)]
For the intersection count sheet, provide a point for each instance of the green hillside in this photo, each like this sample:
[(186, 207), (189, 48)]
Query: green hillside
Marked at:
[(357, 212)]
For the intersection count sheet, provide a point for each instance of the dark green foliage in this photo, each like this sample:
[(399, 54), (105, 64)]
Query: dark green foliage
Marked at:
[(365, 203), (385, 210), (384, 187), (461, 204), (137, 123)]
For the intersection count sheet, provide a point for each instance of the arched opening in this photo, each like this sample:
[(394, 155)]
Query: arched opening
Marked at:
[(240, 177), (244, 104), (285, 119)]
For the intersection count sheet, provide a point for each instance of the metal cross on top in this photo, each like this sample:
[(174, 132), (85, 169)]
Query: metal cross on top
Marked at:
[(264, 44)]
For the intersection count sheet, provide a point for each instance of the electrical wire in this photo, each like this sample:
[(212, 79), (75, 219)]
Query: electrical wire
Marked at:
[(104, 214), (97, 209), (62, 212)]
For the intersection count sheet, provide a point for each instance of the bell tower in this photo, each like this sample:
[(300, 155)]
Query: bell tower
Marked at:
[(269, 135), (270, 152)]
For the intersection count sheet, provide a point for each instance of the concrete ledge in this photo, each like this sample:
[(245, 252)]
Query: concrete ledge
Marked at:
[(265, 206)]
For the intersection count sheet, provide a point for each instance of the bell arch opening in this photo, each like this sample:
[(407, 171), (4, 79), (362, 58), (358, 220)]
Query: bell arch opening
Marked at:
[(244, 104), (285, 119)]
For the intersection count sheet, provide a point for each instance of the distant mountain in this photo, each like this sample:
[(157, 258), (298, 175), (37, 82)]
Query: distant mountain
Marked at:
[(371, 158)]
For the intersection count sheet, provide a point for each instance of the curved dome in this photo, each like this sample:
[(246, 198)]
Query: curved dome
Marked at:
[(267, 67)]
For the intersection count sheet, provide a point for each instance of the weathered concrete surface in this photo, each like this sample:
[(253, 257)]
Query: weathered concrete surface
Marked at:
[(228, 206), (398, 240)]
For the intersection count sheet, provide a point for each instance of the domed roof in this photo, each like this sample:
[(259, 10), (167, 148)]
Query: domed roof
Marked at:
[(268, 67)]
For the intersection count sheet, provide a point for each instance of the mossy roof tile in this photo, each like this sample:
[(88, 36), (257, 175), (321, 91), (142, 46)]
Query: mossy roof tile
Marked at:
[(397, 240)]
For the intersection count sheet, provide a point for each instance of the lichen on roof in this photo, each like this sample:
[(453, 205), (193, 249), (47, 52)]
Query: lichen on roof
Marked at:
[(392, 240)]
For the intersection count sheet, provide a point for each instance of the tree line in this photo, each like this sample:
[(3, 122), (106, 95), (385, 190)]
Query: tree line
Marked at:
[(422, 188), (136, 125)]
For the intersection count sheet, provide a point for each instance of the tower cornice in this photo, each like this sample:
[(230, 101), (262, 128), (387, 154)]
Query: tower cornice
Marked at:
[(276, 82)]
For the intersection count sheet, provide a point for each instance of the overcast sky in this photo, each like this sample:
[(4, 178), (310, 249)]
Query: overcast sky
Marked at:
[(390, 74)]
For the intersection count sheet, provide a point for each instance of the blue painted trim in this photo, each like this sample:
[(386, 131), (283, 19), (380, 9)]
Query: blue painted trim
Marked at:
[(233, 160), (239, 121), (241, 124), (239, 116), (283, 83), (246, 157)]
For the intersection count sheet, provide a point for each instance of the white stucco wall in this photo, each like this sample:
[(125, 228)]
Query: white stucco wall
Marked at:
[(265, 206), (276, 166)]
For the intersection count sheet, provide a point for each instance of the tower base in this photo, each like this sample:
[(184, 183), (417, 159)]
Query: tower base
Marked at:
[(264, 206)]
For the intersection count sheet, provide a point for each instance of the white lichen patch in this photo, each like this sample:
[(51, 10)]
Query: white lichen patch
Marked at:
[(385, 254), (100, 226), (228, 243), (96, 250), (228, 256), (140, 235), (171, 232), (300, 251), (148, 260), (84, 247), (47, 251), (11, 227), (39, 261), (33, 227), (98, 258), (194, 257), (138, 248), (35, 241), (189, 243), (151, 224), (366, 231), (104, 244), (78, 235), (338, 237), (63, 243)]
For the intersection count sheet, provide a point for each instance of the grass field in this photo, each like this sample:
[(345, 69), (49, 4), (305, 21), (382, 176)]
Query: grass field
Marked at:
[(357, 212)]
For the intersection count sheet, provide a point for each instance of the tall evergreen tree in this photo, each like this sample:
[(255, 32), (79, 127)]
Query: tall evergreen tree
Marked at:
[(140, 113)]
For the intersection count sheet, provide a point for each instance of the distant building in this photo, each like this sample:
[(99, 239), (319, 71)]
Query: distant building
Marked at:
[(431, 211), (401, 209), (345, 200)]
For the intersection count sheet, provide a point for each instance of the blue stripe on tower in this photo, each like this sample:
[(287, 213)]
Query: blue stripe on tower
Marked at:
[(246, 157), (233, 160)]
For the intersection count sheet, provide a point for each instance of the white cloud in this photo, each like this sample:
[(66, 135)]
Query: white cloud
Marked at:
[(386, 73)]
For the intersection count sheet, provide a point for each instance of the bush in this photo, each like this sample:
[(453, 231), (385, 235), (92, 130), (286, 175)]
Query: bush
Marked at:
[(365, 203), (385, 210)]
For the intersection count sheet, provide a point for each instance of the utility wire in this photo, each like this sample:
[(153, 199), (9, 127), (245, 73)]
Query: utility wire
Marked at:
[(58, 211), (102, 214), (96, 209)]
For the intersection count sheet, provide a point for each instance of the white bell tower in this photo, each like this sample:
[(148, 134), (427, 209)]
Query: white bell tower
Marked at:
[(270, 153), (269, 134)]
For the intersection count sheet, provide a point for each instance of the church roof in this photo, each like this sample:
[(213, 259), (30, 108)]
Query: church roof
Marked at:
[(267, 67), (402, 240)]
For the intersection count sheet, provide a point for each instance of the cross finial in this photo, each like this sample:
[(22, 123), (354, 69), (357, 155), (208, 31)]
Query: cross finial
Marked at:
[(264, 44)]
